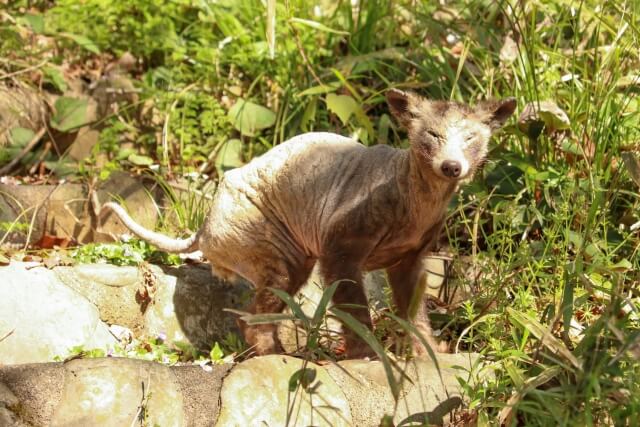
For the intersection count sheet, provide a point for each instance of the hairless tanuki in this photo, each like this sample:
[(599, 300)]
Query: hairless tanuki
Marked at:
[(327, 198)]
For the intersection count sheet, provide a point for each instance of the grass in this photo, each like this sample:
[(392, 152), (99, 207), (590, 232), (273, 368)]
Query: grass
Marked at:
[(547, 223)]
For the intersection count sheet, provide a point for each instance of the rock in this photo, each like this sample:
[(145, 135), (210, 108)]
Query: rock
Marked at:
[(188, 304), (269, 390), (9, 407), (64, 210), (141, 198), (201, 392), (46, 317), (115, 392), (38, 388), (111, 289), (424, 398), (55, 208), (20, 106), (264, 391), (111, 392), (83, 144)]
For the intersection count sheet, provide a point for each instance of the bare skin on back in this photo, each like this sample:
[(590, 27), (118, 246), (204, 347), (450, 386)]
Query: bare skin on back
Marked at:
[(326, 198)]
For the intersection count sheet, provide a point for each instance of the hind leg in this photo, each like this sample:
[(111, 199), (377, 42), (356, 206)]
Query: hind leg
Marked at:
[(350, 292), (263, 338)]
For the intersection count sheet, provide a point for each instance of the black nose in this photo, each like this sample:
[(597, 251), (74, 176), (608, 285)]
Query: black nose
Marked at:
[(451, 168)]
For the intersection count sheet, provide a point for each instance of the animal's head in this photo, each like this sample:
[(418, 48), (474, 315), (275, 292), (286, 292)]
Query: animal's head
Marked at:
[(450, 137)]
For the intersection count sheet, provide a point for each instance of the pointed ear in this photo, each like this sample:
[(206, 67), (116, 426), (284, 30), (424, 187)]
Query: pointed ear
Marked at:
[(496, 113), (400, 104)]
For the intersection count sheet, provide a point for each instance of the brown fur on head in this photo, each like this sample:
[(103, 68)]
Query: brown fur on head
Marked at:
[(451, 138)]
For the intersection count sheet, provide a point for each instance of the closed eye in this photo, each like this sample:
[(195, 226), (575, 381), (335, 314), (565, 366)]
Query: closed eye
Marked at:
[(433, 134)]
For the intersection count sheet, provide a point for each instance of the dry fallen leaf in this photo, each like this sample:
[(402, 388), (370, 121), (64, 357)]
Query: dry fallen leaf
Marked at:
[(509, 51), (545, 115)]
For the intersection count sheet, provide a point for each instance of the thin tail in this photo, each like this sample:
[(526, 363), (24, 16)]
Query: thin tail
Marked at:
[(161, 241)]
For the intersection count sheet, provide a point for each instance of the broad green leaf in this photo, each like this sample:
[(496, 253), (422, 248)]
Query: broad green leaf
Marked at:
[(309, 114), (318, 26), (320, 89), (21, 136), (83, 42), (249, 118), (343, 106), (216, 353), (140, 160), (54, 76), (34, 21), (546, 113), (229, 156), (303, 377), (70, 114), (622, 266)]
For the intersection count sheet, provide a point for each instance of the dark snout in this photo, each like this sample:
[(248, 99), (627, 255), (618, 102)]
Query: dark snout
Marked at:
[(451, 168)]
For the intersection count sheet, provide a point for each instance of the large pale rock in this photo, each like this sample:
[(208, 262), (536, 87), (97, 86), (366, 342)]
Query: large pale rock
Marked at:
[(20, 106), (100, 392), (187, 306), (111, 289), (424, 398), (51, 209), (111, 392), (46, 317), (264, 391), (64, 210)]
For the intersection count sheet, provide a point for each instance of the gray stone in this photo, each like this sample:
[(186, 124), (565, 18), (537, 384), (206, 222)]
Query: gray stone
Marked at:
[(117, 392), (46, 317), (110, 391), (187, 306), (141, 198), (201, 392), (111, 289), (263, 391), (424, 397), (38, 388), (55, 209), (20, 106)]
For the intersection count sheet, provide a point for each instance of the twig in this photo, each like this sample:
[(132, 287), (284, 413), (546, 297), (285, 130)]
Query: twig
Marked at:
[(7, 168), (7, 335), (45, 151), (303, 54), (24, 70)]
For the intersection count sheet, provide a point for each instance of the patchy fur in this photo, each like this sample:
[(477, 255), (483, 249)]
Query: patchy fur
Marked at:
[(323, 197)]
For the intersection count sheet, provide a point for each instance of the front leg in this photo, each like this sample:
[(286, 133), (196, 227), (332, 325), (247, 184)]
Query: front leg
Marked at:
[(351, 292), (408, 282)]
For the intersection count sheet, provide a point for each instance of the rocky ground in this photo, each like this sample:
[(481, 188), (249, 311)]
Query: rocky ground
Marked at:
[(50, 311)]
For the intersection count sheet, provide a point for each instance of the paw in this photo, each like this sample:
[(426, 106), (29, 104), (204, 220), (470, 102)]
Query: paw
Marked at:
[(418, 348), (261, 340)]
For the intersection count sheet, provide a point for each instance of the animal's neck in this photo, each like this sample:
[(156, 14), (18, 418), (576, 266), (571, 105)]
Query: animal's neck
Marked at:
[(427, 191)]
